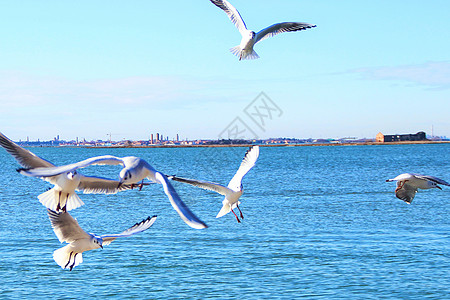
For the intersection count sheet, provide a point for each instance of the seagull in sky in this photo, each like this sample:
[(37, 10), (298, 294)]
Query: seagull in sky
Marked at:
[(134, 171), (62, 196), (250, 38), (408, 183), (234, 190), (67, 230)]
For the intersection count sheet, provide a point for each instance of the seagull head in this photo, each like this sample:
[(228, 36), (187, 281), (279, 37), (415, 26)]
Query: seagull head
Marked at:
[(252, 34), (434, 185), (71, 175), (98, 241), (125, 176)]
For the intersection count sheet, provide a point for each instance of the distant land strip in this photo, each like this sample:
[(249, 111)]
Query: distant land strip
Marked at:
[(271, 145)]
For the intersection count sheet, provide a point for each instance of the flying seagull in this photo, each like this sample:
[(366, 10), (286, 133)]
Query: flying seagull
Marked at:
[(62, 196), (250, 38), (134, 171), (67, 230), (408, 183), (234, 190)]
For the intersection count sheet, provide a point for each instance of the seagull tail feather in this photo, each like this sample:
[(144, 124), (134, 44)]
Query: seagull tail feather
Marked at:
[(226, 208), (242, 54), (66, 258), (74, 202), (51, 198)]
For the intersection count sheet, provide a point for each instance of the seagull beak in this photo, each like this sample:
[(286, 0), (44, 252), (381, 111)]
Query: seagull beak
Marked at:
[(101, 246), (439, 187)]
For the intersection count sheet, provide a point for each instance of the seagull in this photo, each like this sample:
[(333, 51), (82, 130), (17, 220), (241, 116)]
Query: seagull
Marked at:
[(250, 38), (134, 171), (62, 196), (67, 230), (408, 183), (234, 190)]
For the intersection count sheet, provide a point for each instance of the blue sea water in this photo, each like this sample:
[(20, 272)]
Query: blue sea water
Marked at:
[(320, 223)]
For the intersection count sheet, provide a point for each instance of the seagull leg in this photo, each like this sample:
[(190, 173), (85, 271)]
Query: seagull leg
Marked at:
[(64, 209), (400, 186), (58, 207), (242, 216), (73, 265), (239, 221), (70, 256), (141, 185)]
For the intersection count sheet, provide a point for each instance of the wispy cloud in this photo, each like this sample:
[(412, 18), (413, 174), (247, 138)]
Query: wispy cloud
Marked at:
[(38, 105), (431, 74), (18, 89)]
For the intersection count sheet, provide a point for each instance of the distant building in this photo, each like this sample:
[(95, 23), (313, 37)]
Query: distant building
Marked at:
[(381, 138)]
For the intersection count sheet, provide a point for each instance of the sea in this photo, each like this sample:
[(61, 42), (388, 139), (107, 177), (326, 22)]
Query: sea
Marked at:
[(320, 222)]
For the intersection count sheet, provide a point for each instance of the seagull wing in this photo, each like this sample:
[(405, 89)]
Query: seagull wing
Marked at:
[(210, 186), (99, 185), (406, 193), (247, 163), (136, 228), (66, 227), (179, 206), (232, 13), (281, 27), (26, 158), (52, 171), (433, 179)]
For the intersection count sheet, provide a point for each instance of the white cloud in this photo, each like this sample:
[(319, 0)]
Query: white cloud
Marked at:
[(18, 89)]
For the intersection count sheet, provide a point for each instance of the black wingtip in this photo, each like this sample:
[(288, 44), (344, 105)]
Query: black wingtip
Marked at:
[(149, 218), (21, 169)]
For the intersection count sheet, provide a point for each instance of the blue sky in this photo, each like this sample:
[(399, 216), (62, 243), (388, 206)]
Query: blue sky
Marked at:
[(131, 68)]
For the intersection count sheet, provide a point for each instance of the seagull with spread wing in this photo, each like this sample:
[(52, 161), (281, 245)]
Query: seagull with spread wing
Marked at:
[(234, 190), (409, 183), (67, 230), (250, 38), (134, 171), (62, 196)]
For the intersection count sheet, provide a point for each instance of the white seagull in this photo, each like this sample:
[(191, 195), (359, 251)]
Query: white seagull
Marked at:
[(62, 196), (67, 230), (250, 38), (408, 183), (234, 190), (134, 171)]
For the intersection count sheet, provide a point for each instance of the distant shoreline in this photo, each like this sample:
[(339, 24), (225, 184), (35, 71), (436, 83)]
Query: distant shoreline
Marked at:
[(271, 145)]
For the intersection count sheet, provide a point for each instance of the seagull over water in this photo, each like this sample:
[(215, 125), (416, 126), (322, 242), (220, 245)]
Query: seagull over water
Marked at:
[(234, 190), (250, 38), (62, 196), (134, 171), (67, 230), (408, 183)]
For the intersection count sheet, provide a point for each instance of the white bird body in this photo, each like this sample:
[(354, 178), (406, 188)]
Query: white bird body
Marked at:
[(230, 202), (249, 37), (134, 170), (234, 190), (68, 230), (62, 195), (409, 183)]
